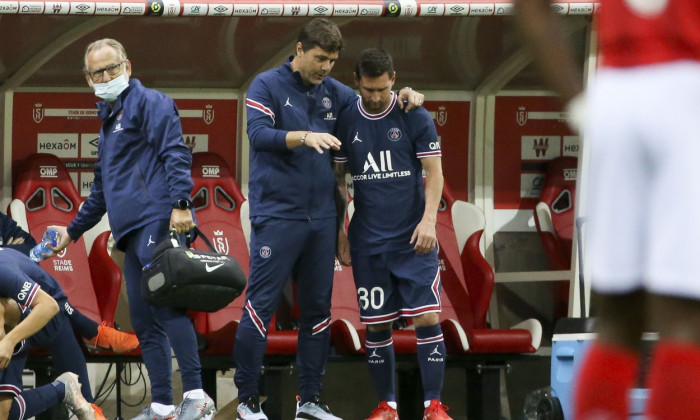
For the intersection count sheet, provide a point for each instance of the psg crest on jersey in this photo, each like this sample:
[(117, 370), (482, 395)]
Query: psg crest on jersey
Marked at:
[(394, 134)]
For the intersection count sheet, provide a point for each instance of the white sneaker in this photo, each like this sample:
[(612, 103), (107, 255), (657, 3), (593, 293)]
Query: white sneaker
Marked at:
[(73, 397), (195, 409), (250, 410), (314, 410)]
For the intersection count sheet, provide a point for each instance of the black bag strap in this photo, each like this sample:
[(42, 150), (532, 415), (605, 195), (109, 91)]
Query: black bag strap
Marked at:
[(175, 238), (204, 238)]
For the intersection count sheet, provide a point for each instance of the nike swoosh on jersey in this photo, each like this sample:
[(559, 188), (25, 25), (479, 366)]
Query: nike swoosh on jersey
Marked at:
[(212, 268)]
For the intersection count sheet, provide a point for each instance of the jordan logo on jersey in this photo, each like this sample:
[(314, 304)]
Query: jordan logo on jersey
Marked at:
[(150, 240), (288, 103), (357, 138)]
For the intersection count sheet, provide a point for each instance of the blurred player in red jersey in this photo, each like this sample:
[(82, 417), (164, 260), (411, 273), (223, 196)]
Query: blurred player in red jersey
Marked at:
[(641, 122)]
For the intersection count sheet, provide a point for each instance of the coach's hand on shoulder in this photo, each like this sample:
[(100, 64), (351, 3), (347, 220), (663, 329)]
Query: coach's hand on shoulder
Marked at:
[(409, 99)]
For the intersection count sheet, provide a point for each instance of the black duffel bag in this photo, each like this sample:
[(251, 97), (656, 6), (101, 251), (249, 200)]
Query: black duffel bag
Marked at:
[(186, 278)]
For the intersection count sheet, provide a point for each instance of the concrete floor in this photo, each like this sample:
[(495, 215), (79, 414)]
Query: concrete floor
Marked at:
[(347, 390)]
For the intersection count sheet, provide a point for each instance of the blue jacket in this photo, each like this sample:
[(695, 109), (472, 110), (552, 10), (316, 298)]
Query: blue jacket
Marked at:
[(10, 229), (299, 183), (143, 165)]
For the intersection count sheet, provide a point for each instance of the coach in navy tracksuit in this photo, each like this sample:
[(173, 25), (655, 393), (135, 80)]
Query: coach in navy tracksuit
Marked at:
[(143, 182), (292, 113)]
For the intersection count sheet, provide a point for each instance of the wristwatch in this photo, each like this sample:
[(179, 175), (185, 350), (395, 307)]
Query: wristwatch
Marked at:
[(182, 204)]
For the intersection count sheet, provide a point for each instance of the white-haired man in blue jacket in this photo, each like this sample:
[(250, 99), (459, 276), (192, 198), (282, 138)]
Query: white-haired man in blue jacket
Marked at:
[(143, 182)]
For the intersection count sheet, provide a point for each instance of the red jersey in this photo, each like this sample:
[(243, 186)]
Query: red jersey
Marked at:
[(639, 32)]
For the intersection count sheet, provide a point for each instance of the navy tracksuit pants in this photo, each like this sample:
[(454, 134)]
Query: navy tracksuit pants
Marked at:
[(159, 328), (280, 248)]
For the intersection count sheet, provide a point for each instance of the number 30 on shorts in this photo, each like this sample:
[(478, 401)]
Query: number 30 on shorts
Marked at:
[(373, 297)]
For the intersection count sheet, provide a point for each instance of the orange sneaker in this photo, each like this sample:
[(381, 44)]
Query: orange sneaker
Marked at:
[(436, 411), (384, 412), (109, 338), (97, 412)]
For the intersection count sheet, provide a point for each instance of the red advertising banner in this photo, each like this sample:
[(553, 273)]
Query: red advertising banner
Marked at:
[(452, 124), (66, 125), (529, 132)]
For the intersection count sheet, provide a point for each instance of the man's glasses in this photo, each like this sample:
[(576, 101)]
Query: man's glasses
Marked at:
[(98, 75)]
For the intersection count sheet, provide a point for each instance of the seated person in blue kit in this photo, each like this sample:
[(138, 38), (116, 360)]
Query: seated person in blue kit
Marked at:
[(38, 323), (95, 335)]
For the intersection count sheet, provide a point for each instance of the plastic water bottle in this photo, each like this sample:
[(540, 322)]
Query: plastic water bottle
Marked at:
[(50, 238)]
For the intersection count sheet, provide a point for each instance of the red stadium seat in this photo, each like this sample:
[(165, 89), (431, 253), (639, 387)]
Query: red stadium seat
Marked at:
[(554, 214), (347, 332), (554, 218), (460, 226), (45, 195), (217, 200), (106, 278)]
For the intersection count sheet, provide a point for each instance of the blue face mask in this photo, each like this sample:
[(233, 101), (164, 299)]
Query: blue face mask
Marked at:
[(111, 90)]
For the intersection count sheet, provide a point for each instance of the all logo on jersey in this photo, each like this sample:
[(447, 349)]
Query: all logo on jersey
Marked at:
[(379, 167), (384, 160), (394, 134)]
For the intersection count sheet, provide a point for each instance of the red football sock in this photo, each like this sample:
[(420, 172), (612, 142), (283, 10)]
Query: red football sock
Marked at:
[(674, 382), (603, 383)]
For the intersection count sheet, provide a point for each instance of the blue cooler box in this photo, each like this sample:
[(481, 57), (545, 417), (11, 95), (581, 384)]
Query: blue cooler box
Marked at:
[(572, 338), (568, 349)]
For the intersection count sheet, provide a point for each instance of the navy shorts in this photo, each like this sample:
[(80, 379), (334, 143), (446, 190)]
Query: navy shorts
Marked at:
[(11, 376), (396, 283)]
